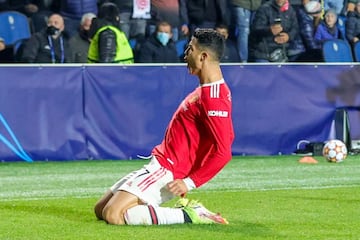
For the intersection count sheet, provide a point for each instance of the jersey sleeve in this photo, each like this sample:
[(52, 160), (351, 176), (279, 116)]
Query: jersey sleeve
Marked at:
[(217, 120)]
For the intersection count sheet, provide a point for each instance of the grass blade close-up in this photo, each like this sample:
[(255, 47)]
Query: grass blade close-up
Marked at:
[(272, 197)]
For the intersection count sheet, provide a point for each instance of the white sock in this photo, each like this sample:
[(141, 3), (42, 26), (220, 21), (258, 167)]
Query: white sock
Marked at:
[(148, 215)]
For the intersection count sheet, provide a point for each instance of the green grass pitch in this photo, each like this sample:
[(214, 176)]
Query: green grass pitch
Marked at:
[(262, 197)]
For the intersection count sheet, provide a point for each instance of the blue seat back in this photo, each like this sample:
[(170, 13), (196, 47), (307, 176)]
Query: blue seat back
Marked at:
[(14, 27), (180, 46), (337, 50), (357, 52), (341, 24), (132, 42)]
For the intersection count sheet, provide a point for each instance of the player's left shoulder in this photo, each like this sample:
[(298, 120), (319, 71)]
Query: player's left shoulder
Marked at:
[(216, 90)]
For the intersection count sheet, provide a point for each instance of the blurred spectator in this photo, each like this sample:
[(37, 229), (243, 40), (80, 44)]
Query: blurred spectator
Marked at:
[(80, 42), (204, 13), (353, 24), (274, 25), (350, 5), (230, 53), (296, 3), (40, 18), (108, 43), (336, 5), (6, 54), (49, 45), (73, 10), (132, 19), (327, 28), (24, 6), (242, 12), (159, 47), (169, 11), (2, 44), (309, 17)]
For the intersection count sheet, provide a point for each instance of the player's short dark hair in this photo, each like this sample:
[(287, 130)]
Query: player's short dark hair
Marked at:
[(210, 39)]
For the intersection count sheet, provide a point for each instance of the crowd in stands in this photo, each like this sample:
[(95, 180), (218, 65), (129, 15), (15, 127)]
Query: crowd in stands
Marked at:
[(124, 31)]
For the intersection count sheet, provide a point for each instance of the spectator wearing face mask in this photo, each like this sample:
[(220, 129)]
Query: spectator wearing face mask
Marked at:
[(49, 45), (81, 41), (159, 47)]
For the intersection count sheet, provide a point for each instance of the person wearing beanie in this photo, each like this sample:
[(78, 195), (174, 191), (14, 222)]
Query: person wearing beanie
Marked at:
[(328, 29)]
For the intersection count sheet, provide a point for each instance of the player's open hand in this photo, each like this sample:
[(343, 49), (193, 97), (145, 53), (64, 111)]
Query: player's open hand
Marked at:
[(177, 187)]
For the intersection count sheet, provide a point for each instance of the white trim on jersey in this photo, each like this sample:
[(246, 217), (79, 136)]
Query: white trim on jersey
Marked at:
[(213, 83), (214, 88), (215, 91)]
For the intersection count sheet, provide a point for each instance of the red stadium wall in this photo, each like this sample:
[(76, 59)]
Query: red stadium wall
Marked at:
[(70, 112)]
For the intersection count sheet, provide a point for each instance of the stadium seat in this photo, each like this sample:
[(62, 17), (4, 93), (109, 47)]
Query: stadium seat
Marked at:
[(337, 50), (132, 43), (356, 51), (14, 28), (180, 46), (341, 24)]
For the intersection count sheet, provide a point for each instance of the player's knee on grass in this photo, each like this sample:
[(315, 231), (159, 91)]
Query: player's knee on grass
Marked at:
[(113, 216)]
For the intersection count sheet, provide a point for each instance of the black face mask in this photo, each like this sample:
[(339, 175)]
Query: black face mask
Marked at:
[(51, 30), (85, 34)]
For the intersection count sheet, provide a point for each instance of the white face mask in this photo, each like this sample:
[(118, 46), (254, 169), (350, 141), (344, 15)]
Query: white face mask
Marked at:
[(163, 37)]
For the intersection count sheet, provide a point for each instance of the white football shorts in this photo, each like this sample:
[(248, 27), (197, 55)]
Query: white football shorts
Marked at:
[(147, 183)]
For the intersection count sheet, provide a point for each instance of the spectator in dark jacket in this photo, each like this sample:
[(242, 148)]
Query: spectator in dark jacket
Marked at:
[(309, 17), (73, 10), (353, 25), (45, 9), (159, 47), (274, 25), (80, 42), (231, 53), (48, 45), (24, 6), (204, 13)]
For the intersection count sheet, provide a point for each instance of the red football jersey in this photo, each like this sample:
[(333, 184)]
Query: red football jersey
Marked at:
[(198, 139)]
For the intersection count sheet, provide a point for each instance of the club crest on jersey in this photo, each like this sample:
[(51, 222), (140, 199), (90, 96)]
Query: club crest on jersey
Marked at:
[(218, 113)]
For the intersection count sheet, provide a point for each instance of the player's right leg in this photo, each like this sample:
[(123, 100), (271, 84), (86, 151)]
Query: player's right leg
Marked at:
[(118, 204)]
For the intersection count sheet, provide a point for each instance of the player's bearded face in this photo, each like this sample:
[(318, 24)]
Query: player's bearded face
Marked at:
[(192, 57)]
